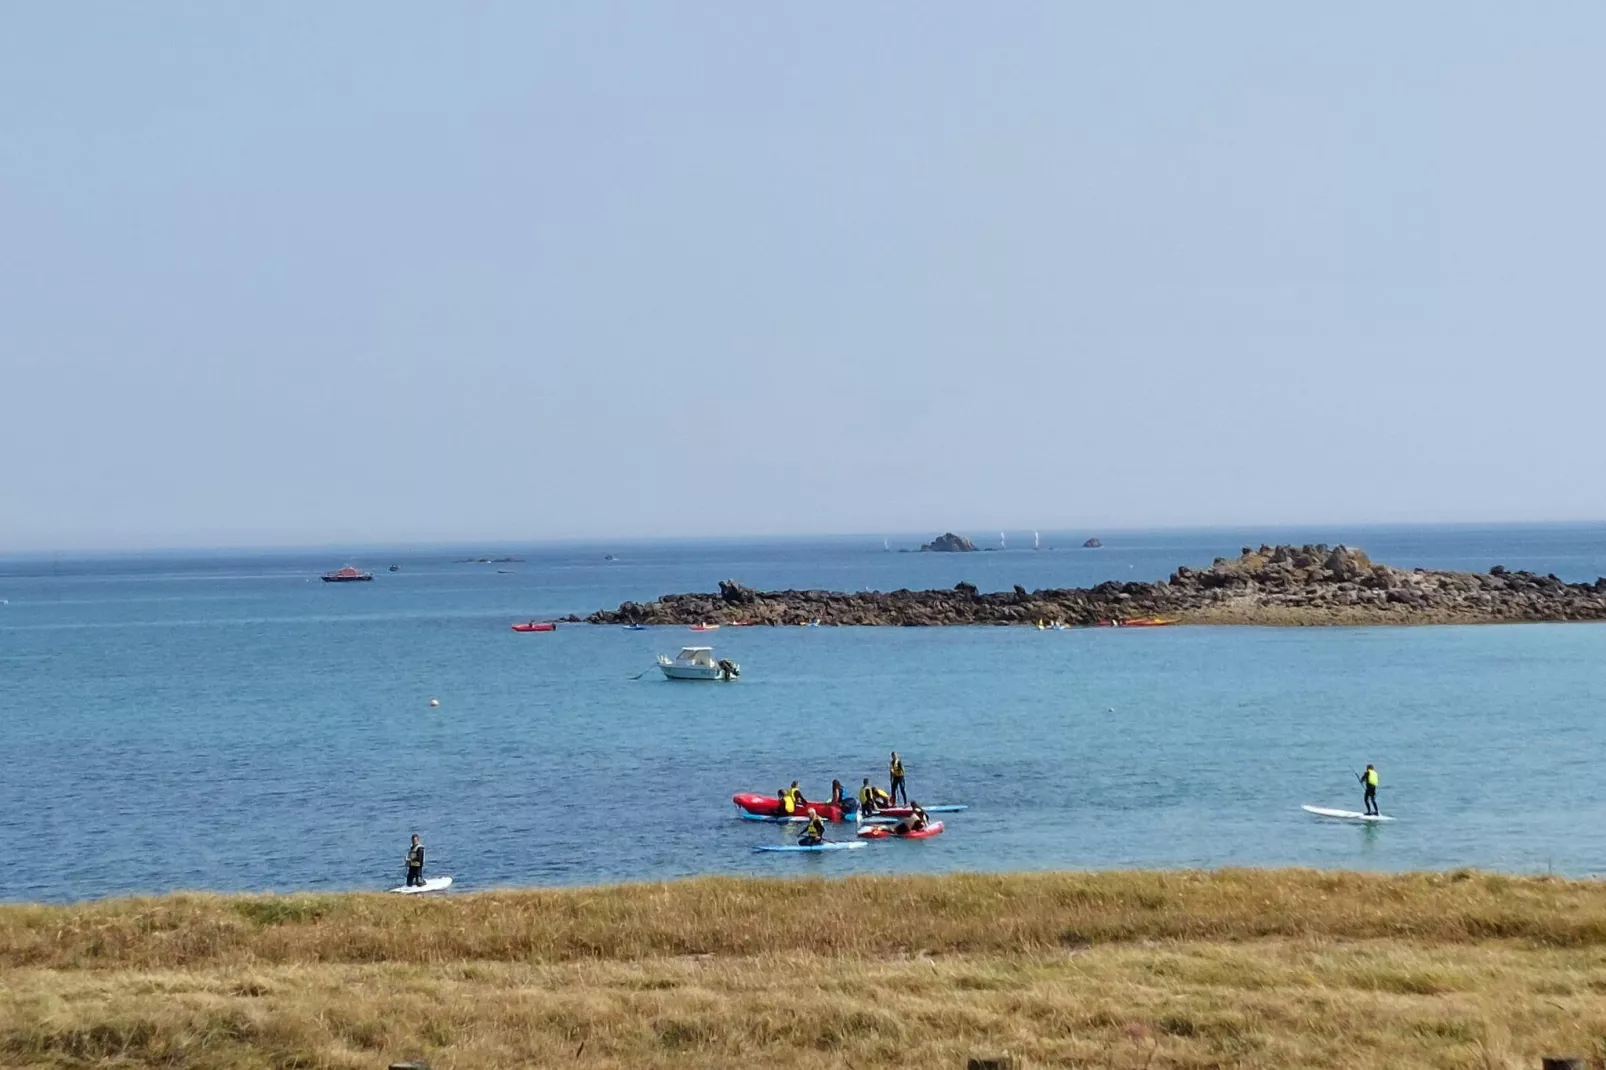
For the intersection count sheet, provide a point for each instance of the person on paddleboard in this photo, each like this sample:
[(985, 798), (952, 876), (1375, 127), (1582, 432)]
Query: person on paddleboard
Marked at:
[(1369, 779), (895, 775), (415, 863), (871, 798), (814, 833), (916, 821)]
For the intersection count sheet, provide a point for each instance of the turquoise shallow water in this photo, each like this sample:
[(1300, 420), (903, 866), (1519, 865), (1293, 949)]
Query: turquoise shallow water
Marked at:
[(228, 722)]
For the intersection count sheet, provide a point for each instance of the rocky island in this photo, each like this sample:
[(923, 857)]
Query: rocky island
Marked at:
[(1281, 585), (949, 544)]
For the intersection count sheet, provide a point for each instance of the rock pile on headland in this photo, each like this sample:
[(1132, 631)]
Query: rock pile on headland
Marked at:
[(1270, 585)]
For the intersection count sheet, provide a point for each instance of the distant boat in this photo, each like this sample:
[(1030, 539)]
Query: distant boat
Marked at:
[(1037, 543), (705, 627), (347, 575), (395, 568), (886, 548), (697, 663), (1002, 545), (536, 626)]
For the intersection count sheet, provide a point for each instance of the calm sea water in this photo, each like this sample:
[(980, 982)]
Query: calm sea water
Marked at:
[(228, 722)]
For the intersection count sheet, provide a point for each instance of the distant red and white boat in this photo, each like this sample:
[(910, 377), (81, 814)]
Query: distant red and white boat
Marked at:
[(347, 575), (705, 627), (536, 626)]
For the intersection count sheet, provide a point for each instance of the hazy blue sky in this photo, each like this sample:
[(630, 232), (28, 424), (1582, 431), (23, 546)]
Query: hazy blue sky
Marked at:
[(392, 271)]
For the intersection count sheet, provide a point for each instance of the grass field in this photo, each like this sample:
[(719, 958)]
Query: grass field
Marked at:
[(1238, 968)]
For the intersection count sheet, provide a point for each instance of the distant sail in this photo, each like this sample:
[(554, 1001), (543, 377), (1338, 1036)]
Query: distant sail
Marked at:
[(1037, 543), (1001, 544)]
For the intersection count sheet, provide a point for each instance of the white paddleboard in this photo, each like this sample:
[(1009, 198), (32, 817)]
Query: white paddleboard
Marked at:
[(1344, 815), (434, 884)]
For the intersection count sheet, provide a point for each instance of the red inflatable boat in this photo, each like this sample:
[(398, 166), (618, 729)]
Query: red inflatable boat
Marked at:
[(770, 806), (536, 626)]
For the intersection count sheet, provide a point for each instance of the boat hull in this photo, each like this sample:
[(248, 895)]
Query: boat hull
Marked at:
[(770, 806), (535, 627), (691, 672)]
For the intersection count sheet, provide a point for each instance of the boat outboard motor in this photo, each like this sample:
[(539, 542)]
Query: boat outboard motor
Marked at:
[(728, 669)]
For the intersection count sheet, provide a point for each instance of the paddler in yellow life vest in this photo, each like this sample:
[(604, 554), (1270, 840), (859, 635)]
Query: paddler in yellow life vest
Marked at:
[(871, 798), (1369, 778), (814, 833), (895, 775)]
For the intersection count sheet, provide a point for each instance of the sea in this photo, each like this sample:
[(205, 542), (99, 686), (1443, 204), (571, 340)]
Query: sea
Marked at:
[(225, 721)]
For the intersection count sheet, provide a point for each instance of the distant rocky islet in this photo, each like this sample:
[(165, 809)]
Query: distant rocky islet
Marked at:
[(1271, 585)]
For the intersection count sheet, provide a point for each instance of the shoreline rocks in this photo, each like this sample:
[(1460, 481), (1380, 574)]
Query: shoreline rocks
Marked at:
[(1271, 585)]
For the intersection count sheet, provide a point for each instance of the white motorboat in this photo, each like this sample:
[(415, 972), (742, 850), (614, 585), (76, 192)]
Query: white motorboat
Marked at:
[(698, 663)]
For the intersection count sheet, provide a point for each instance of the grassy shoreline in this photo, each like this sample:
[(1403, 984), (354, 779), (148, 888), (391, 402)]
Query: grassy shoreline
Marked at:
[(1250, 968)]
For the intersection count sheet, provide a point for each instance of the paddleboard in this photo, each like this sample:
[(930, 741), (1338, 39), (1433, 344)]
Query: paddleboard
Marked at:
[(883, 832), (828, 845), (1344, 815), (434, 884)]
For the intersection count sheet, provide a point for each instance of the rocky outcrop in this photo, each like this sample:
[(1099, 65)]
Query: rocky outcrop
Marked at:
[(1269, 585), (1092, 544), (949, 544)]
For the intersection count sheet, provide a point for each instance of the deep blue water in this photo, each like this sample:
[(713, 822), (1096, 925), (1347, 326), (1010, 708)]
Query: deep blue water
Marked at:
[(228, 722)]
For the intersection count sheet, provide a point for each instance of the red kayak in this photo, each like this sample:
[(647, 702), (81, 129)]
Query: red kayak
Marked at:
[(770, 806), (536, 626), (888, 832)]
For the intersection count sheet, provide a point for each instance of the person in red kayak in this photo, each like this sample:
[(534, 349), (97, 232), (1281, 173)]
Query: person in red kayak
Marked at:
[(814, 833), (895, 774), (915, 822), (836, 793)]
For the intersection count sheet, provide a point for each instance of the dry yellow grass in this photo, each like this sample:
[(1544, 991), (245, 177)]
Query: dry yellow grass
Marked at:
[(1241, 968)]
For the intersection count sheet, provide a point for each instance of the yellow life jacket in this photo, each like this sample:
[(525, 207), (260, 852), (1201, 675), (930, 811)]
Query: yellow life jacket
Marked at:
[(1371, 778), (880, 796), (864, 795), (816, 827), (788, 803), (896, 768)]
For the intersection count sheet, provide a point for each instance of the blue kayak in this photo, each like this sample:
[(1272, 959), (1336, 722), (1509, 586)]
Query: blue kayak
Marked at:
[(828, 845)]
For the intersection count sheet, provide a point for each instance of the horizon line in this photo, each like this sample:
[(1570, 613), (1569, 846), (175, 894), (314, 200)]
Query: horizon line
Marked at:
[(502, 543)]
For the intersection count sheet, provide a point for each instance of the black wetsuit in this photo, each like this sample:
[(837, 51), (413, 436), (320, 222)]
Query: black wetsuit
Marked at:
[(415, 866)]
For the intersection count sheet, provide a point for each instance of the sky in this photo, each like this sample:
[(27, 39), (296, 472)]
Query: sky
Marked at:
[(385, 272)]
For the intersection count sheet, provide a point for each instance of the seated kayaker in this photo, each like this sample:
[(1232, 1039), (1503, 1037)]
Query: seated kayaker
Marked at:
[(788, 807), (814, 832), (797, 795), (915, 822), (871, 798), (836, 793)]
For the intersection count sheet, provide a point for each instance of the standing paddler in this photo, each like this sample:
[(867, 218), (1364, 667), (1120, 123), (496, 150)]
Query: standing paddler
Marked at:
[(1369, 780), (895, 775), (415, 863)]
